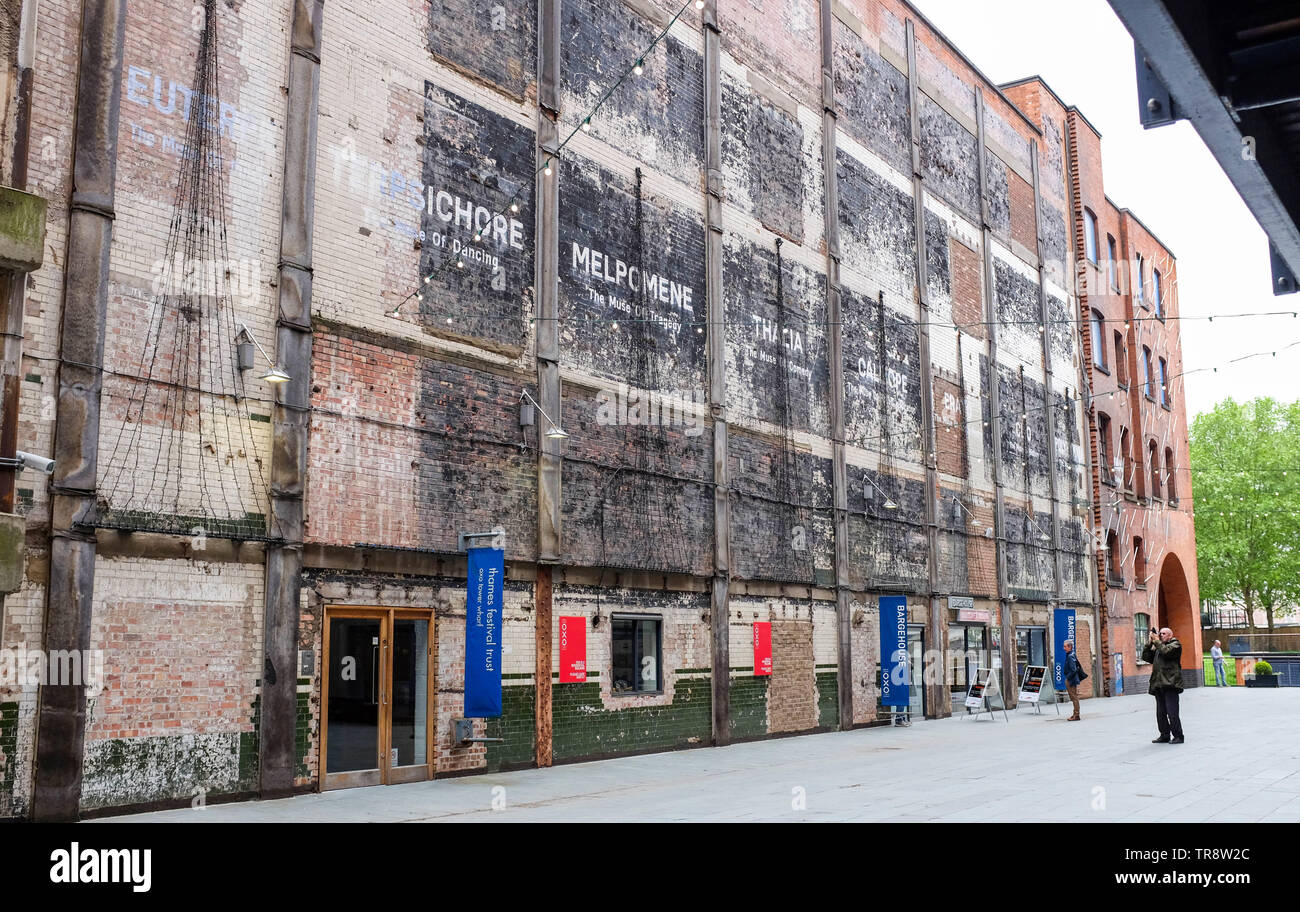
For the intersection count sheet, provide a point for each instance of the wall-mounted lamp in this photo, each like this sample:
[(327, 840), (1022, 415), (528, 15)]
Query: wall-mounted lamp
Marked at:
[(889, 503), (244, 343), (526, 404), (973, 520)]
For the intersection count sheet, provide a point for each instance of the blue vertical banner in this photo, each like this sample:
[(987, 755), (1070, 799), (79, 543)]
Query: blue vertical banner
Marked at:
[(894, 677), (487, 573), (1062, 630)]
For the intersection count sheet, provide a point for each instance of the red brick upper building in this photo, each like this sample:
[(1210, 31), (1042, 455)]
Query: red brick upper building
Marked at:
[(1137, 420)]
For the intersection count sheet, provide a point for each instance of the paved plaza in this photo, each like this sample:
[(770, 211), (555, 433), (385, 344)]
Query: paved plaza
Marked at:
[(1241, 763)]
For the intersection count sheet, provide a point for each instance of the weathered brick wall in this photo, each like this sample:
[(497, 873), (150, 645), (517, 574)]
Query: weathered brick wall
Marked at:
[(802, 691), (426, 135), (181, 643), (792, 695), (591, 719)]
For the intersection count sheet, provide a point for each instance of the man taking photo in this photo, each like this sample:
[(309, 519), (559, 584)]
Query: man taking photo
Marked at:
[(1165, 654)]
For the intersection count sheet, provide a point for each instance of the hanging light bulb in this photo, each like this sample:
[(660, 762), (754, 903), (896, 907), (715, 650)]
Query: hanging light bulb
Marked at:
[(514, 207), (586, 125), (639, 68)]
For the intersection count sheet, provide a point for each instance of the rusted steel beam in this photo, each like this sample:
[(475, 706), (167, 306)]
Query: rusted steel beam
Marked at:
[(61, 720), (289, 421)]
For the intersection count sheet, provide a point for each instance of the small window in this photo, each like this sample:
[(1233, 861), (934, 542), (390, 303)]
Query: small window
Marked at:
[(1126, 453), (1103, 446), (1098, 341), (1153, 453), (1113, 575), (635, 654), (1121, 367), (1170, 490), (1141, 281), (1155, 282), (1139, 562), (1141, 630), (1090, 235), (1112, 268), (1164, 384), (1146, 372)]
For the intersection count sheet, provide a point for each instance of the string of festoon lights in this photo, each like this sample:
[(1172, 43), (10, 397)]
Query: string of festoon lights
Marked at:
[(548, 166)]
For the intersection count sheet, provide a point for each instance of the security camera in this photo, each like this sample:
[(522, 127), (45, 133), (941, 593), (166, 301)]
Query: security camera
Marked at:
[(32, 461)]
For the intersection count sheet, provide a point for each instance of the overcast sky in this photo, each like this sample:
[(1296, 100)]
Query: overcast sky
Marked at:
[(1166, 176)]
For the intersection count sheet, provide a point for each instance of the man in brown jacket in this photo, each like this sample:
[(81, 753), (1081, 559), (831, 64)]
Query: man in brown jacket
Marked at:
[(1165, 654)]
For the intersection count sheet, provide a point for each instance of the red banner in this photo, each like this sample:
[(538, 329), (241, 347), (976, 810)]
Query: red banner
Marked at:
[(573, 650), (762, 648)]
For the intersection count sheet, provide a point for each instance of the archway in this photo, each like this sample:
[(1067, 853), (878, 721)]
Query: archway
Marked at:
[(1175, 610)]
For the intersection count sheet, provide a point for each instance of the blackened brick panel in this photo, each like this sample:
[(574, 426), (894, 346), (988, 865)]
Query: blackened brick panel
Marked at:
[(1018, 308), (886, 546), (777, 350), (872, 97), (882, 382), (632, 302), (877, 227), (953, 566), (949, 159), (1076, 566), (476, 164), (996, 178), (496, 42), (637, 480), (781, 512), (1052, 172), (1030, 572), (474, 470), (938, 273), (762, 154), (1024, 428), (657, 117), (1052, 227), (1024, 431)]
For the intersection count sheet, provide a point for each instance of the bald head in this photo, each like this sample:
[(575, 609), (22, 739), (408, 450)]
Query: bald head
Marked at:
[(1166, 634)]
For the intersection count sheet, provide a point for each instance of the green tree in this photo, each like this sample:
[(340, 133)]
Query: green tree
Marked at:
[(1246, 483)]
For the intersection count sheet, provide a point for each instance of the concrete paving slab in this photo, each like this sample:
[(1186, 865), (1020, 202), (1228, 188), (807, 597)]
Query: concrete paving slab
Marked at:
[(1240, 764)]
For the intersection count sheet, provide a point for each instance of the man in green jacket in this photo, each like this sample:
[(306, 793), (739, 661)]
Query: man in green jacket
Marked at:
[(1165, 654)]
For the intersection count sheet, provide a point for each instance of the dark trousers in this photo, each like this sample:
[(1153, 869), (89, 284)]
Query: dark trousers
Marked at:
[(1167, 712)]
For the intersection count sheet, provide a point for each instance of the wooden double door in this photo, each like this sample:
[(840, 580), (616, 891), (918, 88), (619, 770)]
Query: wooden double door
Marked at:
[(377, 721)]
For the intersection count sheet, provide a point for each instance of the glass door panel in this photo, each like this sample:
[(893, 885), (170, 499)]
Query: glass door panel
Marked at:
[(354, 708), (410, 740)]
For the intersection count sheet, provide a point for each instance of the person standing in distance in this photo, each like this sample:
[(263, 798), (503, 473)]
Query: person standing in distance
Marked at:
[(1074, 675), (1216, 653), (1165, 654)]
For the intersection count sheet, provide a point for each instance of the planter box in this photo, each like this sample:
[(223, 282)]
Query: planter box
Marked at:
[(1260, 680)]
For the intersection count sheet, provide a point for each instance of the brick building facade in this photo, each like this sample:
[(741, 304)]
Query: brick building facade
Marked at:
[(839, 254), (1142, 507)]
